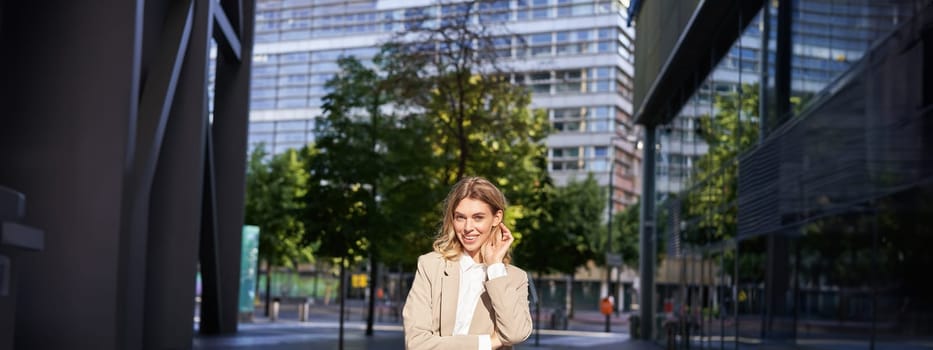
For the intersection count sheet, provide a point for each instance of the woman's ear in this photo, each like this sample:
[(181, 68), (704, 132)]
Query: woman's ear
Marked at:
[(497, 219)]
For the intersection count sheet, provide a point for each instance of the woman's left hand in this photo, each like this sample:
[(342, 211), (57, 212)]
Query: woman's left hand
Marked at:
[(496, 248)]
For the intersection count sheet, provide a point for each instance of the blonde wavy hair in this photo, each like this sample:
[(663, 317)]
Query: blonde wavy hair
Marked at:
[(477, 188)]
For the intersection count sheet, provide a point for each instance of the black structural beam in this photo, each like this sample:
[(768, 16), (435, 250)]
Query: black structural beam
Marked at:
[(228, 136), (224, 32)]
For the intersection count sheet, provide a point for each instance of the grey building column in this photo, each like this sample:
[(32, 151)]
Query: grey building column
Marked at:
[(648, 238)]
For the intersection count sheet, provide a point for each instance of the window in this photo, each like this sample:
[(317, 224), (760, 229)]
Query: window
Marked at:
[(600, 151), (261, 126), (540, 76), (568, 152)]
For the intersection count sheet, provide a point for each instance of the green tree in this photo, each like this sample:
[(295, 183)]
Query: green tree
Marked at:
[(275, 190), (396, 135), (368, 166), (478, 122), (561, 224), (625, 234), (570, 221), (347, 168), (344, 162)]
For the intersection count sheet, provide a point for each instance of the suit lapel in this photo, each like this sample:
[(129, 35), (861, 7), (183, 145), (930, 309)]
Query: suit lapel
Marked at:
[(450, 292)]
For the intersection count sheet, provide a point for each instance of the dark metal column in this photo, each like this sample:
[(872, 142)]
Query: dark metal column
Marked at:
[(229, 131), (148, 138), (782, 62), (763, 67), (647, 253), (776, 275), (175, 208)]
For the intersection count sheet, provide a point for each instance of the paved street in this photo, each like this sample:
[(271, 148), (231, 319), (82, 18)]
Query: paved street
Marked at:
[(290, 335), (322, 332)]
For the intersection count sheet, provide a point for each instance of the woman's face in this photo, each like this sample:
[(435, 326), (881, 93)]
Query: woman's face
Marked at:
[(473, 222)]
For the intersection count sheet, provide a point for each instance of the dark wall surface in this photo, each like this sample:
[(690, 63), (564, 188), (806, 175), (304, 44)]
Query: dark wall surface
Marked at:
[(68, 90), (104, 128)]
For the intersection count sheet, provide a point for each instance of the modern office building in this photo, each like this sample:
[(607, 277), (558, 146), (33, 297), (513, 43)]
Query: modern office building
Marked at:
[(829, 37), (809, 229), (575, 56)]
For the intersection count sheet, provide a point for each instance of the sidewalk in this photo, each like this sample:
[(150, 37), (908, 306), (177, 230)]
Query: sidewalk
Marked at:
[(292, 335), (583, 320), (584, 331)]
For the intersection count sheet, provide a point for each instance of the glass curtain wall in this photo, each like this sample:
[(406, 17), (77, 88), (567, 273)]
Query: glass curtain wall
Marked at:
[(813, 235)]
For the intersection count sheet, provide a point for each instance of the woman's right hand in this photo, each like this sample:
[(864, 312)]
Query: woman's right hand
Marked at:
[(496, 247)]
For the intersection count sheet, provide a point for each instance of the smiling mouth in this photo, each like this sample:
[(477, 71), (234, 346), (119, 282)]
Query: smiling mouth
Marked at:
[(470, 238)]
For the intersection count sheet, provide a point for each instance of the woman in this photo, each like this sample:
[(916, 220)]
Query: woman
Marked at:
[(465, 294)]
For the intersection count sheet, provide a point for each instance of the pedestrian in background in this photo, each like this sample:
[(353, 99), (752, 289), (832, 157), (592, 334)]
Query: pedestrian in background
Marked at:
[(465, 294)]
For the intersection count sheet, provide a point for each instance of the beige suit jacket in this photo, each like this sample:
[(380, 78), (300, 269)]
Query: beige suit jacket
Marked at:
[(431, 308)]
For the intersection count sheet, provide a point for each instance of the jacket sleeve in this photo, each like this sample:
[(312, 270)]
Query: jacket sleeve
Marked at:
[(509, 297), (419, 317)]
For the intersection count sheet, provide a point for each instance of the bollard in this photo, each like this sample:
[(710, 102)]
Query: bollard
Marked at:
[(303, 311), (634, 323), (274, 315)]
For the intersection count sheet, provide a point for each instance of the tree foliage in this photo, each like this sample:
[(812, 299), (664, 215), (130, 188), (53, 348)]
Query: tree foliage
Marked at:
[(275, 190), (395, 135), (346, 163), (625, 234), (561, 237), (477, 121)]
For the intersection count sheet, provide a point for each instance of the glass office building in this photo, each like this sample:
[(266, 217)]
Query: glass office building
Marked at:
[(575, 57), (798, 182), (829, 36)]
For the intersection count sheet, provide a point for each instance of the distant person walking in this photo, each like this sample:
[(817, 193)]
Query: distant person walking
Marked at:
[(465, 294)]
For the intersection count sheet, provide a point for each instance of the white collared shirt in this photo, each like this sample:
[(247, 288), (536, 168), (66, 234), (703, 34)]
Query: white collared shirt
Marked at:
[(472, 279)]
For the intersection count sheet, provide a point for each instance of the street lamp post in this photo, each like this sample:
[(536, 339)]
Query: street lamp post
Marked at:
[(612, 173), (612, 167)]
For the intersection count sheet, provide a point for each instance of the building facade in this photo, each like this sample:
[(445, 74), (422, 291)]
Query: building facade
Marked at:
[(829, 36), (574, 56), (802, 224)]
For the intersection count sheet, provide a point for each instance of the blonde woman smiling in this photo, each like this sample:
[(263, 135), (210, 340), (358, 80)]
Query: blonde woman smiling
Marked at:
[(465, 294)]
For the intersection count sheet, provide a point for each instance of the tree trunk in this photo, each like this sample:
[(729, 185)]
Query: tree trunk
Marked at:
[(256, 287), (373, 277), (343, 294), (569, 299), (317, 279), (268, 287)]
